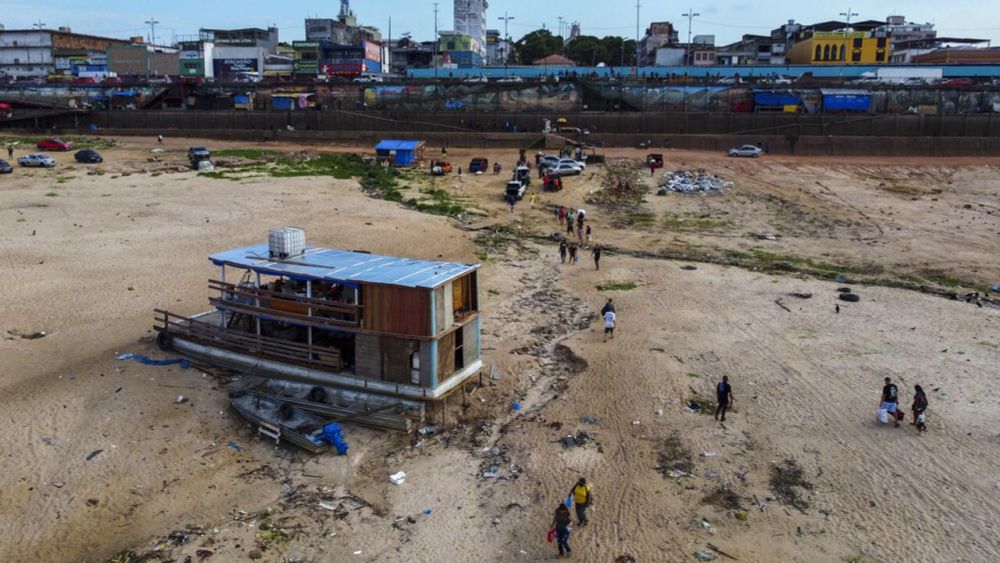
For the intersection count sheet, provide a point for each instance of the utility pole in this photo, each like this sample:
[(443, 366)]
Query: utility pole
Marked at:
[(560, 18), (506, 41), (637, 6), (848, 15), (690, 15), (434, 61), (151, 22), (39, 25)]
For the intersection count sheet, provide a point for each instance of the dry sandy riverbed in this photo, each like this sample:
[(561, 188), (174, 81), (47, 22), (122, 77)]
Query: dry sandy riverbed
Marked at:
[(88, 265)]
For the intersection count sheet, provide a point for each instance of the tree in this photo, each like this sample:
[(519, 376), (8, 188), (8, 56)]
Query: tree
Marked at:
[(536, 45), (587, 50)]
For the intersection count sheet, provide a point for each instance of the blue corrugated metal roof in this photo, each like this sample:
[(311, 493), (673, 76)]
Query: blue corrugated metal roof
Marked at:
[(345, 265), (389, 145)]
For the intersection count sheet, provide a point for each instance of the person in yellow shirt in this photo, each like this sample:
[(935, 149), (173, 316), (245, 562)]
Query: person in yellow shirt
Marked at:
[(583, 496), (531, 201)]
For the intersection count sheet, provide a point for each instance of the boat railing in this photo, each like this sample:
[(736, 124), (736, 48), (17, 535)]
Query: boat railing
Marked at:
[(308, 311)]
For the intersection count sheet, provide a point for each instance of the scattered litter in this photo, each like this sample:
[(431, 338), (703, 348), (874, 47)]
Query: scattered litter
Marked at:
[(428, 430), (71, 376), (333, 435), (31, 336), (839, 279), (801, 295), (742, 515), (590, 420), (428, 512), (675, 474), (826, 512), (689, 182), (571, 441), (491, 473), (58, 484), (996, 288), (398, 478), (709, 454), (206, 166), (704, 524), (158, 151), (181, 399), (850, 297), (764, 235), (358, 552), (516, 406), (636, 423), (711, 474), (234, 446), (326, 506), (92, 502), (151, 362), (93, 454), (704, 556), (659, 412), (48, 440)]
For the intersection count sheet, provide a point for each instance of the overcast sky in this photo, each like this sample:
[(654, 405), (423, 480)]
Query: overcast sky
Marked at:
[(727, 20)]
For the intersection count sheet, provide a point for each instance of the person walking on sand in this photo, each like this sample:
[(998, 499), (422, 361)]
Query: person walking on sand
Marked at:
[(589, 239), (531, 201), (563, 249), (919, 408), (583, 496), (10, 152), (609, 306), (560, 523), (596, 252), (724, 395), (511, 201), (572, 253), (562, 214), (610, 319), (570, 218), (890, 399), (579, 232)]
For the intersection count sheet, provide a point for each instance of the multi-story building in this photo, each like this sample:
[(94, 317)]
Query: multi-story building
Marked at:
[(459, 50), (196, 58), (470, 19), (239, 52), (841, 47), (753, 50), (143, 60), (37, 53), (326, 58), (960, 55), (412, 55), (658, 35)]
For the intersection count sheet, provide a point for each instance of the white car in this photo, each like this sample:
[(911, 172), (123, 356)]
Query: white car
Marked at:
[(746, 150), (567, 169), (582, 165), (37, 160)]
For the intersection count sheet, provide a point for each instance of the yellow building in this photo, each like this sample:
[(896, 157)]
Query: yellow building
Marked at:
[(840, 47)]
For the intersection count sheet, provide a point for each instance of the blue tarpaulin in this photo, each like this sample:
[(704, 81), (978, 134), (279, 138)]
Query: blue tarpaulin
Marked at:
[(332, 434), (283, 103), (405, 151), (775, 98), (151, 362), (846, 100)]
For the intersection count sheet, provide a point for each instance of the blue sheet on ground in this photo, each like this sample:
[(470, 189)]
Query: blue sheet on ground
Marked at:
[(332, 434), (151, 362)]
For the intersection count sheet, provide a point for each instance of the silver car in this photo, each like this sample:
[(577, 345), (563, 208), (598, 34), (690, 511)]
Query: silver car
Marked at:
[(37, 160), (746, 150), (581, 164), (567, 169)]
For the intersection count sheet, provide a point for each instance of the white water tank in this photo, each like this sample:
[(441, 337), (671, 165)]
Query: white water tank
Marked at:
[(286, 242)]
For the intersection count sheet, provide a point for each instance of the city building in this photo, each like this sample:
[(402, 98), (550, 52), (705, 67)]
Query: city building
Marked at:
[(196, 58), (900, 30), (411, 55), (470, 19), (143, 60), (39, 53), (960, 55), (658, 35), (836, 43), (326, 58), (459, 50), (343, 31), (238, 53), (753, 50), (703, 54)]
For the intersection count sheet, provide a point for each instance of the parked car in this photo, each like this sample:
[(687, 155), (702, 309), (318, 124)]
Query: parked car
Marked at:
[(54, 145), (654, 160), (5, 167), (479, 164), (37, 160), (198, 154), (746, 150), (516, 189), (85, 80), (552, 182), (88, 156), (440, 168), (548, 160), (567, 169), (582, 164)]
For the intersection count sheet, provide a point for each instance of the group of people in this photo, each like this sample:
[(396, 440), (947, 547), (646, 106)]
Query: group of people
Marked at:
[(889, 406), (581, 496), (575, 222)]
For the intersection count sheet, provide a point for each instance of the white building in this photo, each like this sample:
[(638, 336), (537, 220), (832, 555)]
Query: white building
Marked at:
[(470, 19)]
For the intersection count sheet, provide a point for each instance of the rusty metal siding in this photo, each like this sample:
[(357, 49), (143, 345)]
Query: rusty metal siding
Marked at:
[(400, 310)]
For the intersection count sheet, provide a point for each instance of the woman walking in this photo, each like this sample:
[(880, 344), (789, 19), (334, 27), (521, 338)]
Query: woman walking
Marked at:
[(563, 249), (561, 522), (919, 408)]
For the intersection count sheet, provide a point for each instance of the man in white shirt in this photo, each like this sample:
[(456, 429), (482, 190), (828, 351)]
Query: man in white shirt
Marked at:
[(609, 325)]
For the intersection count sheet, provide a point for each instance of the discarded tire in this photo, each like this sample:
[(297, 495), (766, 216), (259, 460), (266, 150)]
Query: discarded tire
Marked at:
[(850, 297), (164, 341)]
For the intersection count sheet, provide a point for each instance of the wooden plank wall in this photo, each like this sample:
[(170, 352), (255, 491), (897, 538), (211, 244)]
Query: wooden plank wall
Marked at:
[(396, 359), (446, 357), (368, 356), (402, 310)]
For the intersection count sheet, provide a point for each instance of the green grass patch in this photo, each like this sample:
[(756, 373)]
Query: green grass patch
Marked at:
[(51, 194), (988, 344), (436, 202), (492, 291), (779, 261), (63, 179), (271, 537), (674, 455), (616, 286), (688, 223), (693, 374), (249, 154)]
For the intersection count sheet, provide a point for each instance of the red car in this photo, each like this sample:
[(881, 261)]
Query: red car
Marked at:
[(54, 145)]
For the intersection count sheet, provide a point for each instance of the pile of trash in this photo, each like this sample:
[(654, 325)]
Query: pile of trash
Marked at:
[(690, 182)]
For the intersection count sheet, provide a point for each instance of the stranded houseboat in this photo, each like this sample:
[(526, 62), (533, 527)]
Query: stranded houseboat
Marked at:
[(359, 322)]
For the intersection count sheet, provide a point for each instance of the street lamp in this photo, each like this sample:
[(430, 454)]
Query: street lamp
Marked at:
[(151, 22), (637, 6), (434, 60), (690, 15), (506, 38)]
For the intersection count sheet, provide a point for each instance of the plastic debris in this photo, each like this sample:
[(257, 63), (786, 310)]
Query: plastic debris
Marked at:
[(704, 556), (590, 420), (996, 288), (428, 512), (93, 454), (516, 406), (491, 473), (326, 506), (398, 478), (48, 440), (636, 423), (234, 446), (709, 454), (428, 430), (184, 363), (334, 436), (690, 182), (571, 441), (181, 399)]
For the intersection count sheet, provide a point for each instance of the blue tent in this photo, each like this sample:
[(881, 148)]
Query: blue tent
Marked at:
[(846, 100), (403, 153), (775, 98)]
